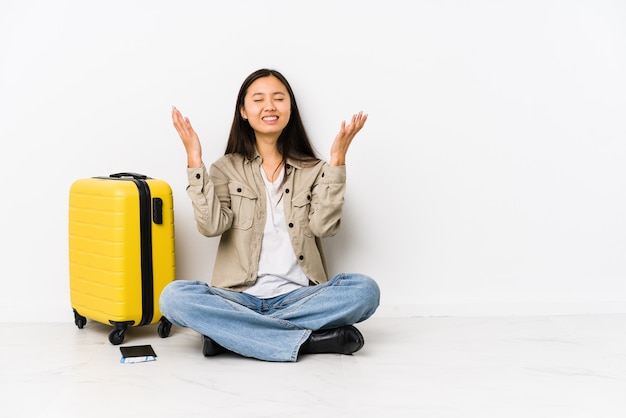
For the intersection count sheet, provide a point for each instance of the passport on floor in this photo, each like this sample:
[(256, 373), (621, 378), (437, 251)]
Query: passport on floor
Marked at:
[(137, 354)]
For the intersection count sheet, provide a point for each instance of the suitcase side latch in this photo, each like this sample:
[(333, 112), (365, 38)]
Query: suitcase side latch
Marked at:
[(157, 210)]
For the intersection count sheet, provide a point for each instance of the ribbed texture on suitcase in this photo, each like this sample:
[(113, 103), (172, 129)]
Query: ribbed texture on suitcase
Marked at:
[(105, 249)]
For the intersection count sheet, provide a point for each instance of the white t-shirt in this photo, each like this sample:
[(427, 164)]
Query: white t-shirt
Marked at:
[(279, 272)]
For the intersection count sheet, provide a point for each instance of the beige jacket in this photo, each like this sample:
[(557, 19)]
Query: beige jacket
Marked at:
[(230, 201)]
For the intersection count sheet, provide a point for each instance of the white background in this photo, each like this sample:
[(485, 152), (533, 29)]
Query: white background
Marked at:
[(489, 178)]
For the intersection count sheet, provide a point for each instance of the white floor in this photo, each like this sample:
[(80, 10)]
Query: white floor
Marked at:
[(558, 366)]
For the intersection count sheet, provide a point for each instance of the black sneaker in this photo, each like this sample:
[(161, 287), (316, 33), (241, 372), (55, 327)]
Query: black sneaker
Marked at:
[(210, 348), (342, 340)]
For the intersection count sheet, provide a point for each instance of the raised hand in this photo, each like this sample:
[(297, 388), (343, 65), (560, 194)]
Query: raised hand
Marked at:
[(346, 134), (189, 137)]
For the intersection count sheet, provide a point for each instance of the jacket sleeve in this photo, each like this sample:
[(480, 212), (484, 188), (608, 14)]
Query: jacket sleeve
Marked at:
[(327, 201), (210, 200)]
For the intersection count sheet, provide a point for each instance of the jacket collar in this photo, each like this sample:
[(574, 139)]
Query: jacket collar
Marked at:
[(290, 162)]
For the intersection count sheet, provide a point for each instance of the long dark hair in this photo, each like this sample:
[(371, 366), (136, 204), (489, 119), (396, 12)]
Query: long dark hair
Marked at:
[(293, 141)]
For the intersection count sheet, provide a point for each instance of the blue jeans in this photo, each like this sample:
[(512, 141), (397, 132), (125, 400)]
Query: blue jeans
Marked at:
[(269, 329)]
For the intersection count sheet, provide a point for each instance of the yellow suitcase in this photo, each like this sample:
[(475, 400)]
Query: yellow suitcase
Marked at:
[(121, 251)]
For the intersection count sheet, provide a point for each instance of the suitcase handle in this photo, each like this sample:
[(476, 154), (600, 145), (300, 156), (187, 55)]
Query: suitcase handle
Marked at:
[(157, 202), (133, 175)]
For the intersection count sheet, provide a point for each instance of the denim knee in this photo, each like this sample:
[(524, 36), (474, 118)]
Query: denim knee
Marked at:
[(364, 286), (170, 296), (364, 292), (166, 298), (370, 292)]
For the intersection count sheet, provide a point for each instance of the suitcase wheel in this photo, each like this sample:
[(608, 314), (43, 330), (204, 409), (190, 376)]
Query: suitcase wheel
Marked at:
[(116, 336), (79, 320), (164, 327)]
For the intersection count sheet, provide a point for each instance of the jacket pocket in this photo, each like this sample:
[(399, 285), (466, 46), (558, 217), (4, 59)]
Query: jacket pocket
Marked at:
[(243, 203), (301, 205)]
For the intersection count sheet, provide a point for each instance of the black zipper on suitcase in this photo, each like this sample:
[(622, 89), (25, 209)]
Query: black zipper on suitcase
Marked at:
[(147, 278), (145, 226)]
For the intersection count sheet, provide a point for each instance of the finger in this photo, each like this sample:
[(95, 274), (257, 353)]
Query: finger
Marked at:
[(177, 121), (176, 113), (356, 119), (181, 124), (359, 118), (354, 124), (342, 128), (353, 120), (176, 116), (360, 121)]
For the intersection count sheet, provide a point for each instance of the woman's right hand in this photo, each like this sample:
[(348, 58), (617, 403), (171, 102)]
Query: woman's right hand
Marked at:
[(189, 137)]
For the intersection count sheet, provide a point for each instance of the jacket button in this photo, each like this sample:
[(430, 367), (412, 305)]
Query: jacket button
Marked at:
[(198, 176), (323, 174), (238, 189), (301, 257), (290, 224), (286, 190), (308, 197)]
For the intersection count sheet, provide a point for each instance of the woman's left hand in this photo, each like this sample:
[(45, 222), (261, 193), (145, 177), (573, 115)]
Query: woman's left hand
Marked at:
[(346, 134)]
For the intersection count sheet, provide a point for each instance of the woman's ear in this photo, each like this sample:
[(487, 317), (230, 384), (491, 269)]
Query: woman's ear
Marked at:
[(243, 113)]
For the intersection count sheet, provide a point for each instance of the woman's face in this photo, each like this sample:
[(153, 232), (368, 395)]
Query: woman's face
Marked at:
[(267, 106)]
